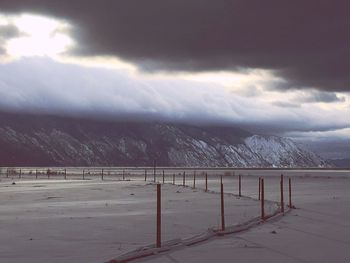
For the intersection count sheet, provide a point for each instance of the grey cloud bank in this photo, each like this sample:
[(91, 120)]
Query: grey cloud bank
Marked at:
[(43, 85), (305, 42)]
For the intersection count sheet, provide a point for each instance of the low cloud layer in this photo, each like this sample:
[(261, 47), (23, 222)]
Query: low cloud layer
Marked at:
[(305, 42), (43, 85)]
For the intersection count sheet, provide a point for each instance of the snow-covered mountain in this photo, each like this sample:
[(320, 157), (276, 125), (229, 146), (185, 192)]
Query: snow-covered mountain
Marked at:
[(47, 140)]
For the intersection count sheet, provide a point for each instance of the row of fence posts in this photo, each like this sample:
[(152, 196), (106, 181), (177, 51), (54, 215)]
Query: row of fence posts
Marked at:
[(261, 193), (48, 174), (102, 175), (261, 184), (183, 179), (36, 174), (261, 198), (260, 190)]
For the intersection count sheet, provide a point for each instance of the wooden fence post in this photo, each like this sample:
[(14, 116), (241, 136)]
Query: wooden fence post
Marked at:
[(36, 174), (159, 217), (123, 175), (173, 179), (184, 179), (83, 174), (65, 174), (145, 175)]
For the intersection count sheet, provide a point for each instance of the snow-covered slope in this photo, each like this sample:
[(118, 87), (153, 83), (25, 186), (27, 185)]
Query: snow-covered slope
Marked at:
[(282, 152), (40, 140)]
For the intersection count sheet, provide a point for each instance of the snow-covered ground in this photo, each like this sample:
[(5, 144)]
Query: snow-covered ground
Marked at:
[(95, 221), (317, 231)]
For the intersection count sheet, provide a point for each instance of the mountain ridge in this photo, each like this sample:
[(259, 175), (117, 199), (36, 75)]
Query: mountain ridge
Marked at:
[(39, 140)]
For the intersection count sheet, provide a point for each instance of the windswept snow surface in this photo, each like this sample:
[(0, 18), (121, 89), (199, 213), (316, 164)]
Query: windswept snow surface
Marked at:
[(318, 231), (94, 221)]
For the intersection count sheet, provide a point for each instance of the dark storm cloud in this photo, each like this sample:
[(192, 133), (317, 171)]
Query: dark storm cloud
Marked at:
[(306, 42)]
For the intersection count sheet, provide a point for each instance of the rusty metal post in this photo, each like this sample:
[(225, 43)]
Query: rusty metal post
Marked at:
[(282, 200), (145, 175), (173, 179), (222, 208), (184, 179), (163, 177), (159, 217), (20, 173), (102, 175), (259, 192), (65, 174), (262, 199), (83, 174)]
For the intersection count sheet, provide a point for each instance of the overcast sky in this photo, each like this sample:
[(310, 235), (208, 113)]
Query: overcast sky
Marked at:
[(273, 66)]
